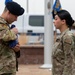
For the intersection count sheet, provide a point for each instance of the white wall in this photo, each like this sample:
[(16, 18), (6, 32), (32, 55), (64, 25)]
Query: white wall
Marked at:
[(2, 5), (36, 6)]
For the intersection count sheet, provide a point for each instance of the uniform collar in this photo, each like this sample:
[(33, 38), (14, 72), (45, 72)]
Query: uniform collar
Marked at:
[(2, 20), (64, 32)]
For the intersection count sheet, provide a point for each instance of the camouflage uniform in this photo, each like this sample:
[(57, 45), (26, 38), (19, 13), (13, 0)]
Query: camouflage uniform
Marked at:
[(7, 54), (63, 55)]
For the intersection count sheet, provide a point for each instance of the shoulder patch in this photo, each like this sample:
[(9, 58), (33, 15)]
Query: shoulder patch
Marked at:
[(68, 39)]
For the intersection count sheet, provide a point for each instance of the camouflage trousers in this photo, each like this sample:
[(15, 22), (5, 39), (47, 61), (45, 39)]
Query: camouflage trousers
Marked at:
[(8, 74)]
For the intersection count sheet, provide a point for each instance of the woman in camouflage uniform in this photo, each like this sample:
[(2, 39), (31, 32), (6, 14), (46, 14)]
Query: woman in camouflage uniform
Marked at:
[(63, 58)]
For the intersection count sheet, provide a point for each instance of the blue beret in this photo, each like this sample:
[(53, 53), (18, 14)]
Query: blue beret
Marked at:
[(14, 8)]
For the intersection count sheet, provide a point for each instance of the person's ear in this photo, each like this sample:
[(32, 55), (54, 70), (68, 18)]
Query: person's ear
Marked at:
[(8, 12), (63, 21)]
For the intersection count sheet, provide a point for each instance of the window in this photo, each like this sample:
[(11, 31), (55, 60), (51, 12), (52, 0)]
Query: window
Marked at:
[(36, 20)]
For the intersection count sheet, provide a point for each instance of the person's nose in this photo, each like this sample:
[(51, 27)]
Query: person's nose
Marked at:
[(53, 21)]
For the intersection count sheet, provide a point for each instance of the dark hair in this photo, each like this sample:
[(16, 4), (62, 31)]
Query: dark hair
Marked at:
[(65, 15)]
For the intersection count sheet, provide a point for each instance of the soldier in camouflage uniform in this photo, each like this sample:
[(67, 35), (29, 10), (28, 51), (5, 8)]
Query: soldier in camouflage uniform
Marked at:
[(63, 55), (7, 54)]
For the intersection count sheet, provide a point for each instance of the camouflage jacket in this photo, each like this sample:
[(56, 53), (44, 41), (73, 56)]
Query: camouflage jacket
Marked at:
[(7, 54), (63, 55)]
